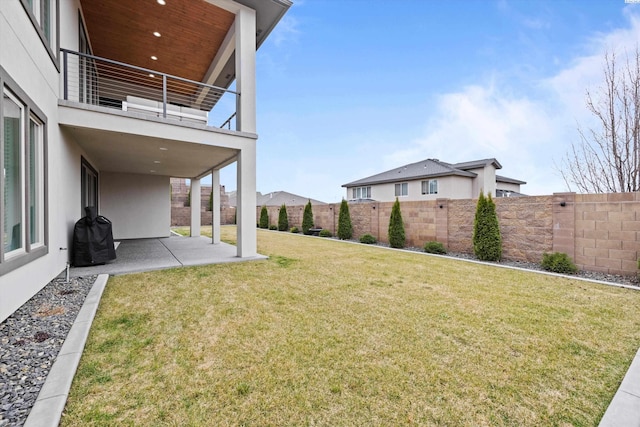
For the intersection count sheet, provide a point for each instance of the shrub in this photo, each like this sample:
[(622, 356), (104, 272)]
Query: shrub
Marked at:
[(345, 229), (367, 239), (295, 230), (283, 219), (188, 202), (307, 219), (434, 248), (273, 227), (396, 227), (558, 262), (325, 233), (487, 242), (264, 218)]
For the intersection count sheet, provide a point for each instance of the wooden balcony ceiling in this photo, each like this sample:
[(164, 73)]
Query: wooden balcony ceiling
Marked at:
[(191, 31)]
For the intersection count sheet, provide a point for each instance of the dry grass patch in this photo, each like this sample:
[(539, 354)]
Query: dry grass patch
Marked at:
[(336, 334)]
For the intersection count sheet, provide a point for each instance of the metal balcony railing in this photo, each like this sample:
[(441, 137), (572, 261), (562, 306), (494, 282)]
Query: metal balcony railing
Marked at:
[(93, 80)]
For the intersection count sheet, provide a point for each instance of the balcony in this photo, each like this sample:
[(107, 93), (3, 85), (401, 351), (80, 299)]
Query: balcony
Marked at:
[(102, 82)]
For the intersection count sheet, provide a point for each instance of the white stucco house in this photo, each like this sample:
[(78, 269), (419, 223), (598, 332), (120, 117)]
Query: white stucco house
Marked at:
[(432, 179), (103, 102)]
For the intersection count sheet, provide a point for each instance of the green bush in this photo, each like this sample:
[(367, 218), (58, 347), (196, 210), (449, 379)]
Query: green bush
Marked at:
[(434, 248), (487, 242), (211, 201), (396, 227), (283, 219), (273, 227), (325, 233), (345, 229), (264, 218), (367, 239), (558, 262), (188, 202), (295, 230), (307, 219)]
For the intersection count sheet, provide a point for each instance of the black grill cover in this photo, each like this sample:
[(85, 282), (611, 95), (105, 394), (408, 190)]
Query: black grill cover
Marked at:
[(92, 240)]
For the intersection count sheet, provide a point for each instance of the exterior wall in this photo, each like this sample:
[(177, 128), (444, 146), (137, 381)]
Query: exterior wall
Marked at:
[(453, 187), (136, 211), (27, 63), (600, 232), (507, 186), (485, 181)]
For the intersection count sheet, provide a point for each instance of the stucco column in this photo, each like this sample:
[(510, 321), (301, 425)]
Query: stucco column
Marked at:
[(246, 202), (195, 208), (245, 26), (215, 211)]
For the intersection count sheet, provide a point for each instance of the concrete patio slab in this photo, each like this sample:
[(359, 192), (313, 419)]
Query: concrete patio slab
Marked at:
[(138, 255)]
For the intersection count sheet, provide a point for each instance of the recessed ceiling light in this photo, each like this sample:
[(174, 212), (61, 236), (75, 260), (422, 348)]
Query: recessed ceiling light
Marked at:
[(162, 2), (156, 161), (157, 34), (155, 58), (151, 75), (151, 170), (164, 148)]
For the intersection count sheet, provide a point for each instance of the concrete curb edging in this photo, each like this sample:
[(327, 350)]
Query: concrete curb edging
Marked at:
[(47, 410), (624, 409)]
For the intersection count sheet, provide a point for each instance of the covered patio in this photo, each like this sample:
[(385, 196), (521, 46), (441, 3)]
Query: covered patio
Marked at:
[(138, 255)]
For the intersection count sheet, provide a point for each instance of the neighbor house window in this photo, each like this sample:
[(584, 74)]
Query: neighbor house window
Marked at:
[(430, 186), (402, 189), (361, 192), (23, 178)]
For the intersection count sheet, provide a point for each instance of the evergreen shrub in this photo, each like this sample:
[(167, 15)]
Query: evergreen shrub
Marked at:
[(558, 262), (307, 219), (283, 219), (396, 227), (325, 233), (487, 242), (345, 228), (433, 247), (368, 239), (264, 218)]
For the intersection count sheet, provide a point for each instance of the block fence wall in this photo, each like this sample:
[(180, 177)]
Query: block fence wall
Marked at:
[(600, 232), (181, 213)]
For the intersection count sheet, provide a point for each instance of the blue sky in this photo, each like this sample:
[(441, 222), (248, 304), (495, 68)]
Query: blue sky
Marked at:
[(351, 88)]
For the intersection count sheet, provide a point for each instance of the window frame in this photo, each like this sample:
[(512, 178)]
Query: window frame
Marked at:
[(403, 189), (52, 44), (360, 190), (11, 260), (426, 186)]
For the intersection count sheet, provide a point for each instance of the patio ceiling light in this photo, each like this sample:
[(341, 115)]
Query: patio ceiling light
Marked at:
[(155, 58), (157, 34), (164, 149), (156, 161), (162, 2), (151, 75)]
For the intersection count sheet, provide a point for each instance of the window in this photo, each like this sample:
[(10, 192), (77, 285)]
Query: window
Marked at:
[(43, 15), (361, 193), (430, 186), (89, 186), (402, 189), (22, 182)]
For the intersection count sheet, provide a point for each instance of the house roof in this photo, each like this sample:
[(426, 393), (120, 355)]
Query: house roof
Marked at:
[(507, 180), (428, 168), (277, 198)]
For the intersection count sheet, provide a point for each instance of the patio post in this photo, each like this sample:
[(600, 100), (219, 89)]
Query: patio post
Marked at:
[(195, 207), (215, 211)]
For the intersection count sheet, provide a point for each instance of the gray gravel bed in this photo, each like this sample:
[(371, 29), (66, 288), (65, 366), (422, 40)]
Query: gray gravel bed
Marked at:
[(30, 340)]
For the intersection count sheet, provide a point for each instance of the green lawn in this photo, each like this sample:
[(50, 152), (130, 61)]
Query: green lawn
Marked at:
[(327, 333)]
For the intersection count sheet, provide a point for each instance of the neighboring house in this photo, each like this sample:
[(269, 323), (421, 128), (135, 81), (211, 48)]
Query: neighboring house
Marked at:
[(102, 102), (433, 179), (278, 198)]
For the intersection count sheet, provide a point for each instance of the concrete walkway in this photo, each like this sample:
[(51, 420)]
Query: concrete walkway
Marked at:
[(137, 255)]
